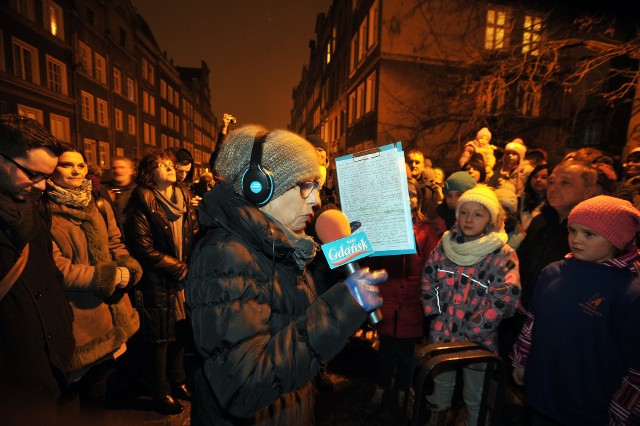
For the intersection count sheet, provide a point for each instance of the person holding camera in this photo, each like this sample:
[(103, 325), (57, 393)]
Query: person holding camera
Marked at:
[(97, 269)]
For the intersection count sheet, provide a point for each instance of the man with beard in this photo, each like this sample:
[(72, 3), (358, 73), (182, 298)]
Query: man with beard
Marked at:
[(36, 340)]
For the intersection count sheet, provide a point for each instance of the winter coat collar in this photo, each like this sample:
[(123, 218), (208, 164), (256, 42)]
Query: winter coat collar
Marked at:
[(89, 222), (223, 208)]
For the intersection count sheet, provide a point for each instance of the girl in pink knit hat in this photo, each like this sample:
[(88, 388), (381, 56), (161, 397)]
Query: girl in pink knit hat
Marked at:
[(581, 341)]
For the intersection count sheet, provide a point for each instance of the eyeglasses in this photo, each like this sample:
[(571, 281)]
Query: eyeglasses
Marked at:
[(33, 176), (306, 188), (167, 165)]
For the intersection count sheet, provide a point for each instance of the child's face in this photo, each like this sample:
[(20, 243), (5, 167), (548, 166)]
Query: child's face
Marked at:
[(451, 198), (483, 139), (586, 244), (473, 219)]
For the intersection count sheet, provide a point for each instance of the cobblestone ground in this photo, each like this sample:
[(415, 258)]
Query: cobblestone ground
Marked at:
[(345, 404)]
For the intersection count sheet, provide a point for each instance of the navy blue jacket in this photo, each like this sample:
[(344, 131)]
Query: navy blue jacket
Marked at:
[(585, 336)]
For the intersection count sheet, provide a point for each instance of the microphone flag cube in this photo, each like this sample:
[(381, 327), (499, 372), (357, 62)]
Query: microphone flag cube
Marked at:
[(348, 249)]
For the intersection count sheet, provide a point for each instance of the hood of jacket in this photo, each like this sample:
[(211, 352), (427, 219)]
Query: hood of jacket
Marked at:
[(223, 208)]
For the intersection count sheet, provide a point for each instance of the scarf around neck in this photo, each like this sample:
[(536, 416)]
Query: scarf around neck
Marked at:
[(467, 253), (628, 260), (304, 247), (77, 198), (174, 210)]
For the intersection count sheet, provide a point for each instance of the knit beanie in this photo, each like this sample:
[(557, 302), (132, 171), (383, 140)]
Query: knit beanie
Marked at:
[(537, 152), (484, 131), (289, 157), (517, 145), (317, 141), (508, 198), (484, 195), (458, 181), (613, 218)]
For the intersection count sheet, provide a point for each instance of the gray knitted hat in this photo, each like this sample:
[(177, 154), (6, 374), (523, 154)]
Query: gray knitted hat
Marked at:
[(289, 157)]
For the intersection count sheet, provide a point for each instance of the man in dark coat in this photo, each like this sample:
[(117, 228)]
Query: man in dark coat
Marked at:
[(546, 241), (36, 341), (118, 190)]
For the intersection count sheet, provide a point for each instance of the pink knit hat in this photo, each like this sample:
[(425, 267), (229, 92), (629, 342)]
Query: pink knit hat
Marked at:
[(613, 218)]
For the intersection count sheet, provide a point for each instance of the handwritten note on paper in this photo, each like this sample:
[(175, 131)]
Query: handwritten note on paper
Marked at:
[(373, 191)]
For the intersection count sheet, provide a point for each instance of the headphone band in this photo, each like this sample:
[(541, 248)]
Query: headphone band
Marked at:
[(256, 151)]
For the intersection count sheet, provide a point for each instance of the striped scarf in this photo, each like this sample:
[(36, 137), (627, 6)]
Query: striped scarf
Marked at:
[(630, 260)]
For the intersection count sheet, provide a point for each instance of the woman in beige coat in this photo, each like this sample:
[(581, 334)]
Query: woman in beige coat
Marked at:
[(97, 270)]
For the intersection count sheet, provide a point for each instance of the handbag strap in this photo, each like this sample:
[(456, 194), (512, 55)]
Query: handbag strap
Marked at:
[(12, 276)]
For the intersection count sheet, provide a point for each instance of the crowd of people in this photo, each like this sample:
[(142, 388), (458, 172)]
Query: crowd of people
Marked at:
[(105, 284)]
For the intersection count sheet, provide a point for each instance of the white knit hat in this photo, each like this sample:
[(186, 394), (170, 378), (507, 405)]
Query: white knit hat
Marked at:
[(517, 145), (484, 195)]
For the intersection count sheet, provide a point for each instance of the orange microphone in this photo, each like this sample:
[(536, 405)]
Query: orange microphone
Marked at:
[(333, 225)]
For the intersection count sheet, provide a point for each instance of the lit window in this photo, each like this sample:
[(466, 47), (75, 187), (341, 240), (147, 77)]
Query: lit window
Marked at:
[(25, 61), (87, 106), (105, 157), (60, 127), (372, 36), (85, 57), (33, 113), (56, 75), (531, 35), (101, 69), (103, 111), (90, 150), (370, 93), (117, 80), (149, 131), (497, 30), (131, 89), (55, 21), (131, 124), (118, 119)]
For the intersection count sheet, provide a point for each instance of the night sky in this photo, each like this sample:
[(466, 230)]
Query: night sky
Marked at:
[(255, 49)]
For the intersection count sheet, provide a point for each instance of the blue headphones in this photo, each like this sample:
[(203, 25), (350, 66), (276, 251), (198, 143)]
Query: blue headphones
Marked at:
[(257, 181)]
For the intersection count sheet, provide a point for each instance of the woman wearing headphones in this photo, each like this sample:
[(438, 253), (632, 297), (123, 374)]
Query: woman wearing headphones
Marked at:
[(259, 323), (160, 230)]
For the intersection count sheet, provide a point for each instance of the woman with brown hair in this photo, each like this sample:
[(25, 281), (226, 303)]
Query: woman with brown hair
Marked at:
[(160, 231)]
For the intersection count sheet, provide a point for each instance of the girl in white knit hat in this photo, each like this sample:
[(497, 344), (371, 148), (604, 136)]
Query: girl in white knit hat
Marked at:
[(470, 283)]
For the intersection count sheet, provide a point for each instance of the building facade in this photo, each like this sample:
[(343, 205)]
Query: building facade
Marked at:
[(432, 73), (93, 74)]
